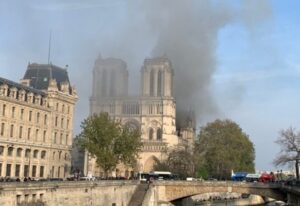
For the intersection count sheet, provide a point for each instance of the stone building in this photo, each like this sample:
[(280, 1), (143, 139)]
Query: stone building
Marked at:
[(36, 123), (153, 112)]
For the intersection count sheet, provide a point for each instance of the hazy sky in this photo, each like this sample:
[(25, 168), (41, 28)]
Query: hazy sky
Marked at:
[(232, 59)]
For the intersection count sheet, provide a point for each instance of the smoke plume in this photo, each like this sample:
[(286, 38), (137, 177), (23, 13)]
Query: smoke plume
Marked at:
[(187, 33)]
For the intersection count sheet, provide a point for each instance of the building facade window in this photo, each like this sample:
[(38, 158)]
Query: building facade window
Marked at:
[(19, 152), (2, 129), (20, 132), (150, 134), (67, 139), (13, 111), (10, 151), (11, 130), (159, 83), (44, 136), (159, 134), (8, 170), (37, 117), (22, 114), (55, 136), (152, 83), (30, 116), (37, 134), (27, 153), (26, 170), (28, 133), (56, 121), (41, 171), (45, 119), (43, 154), (17, 170), (3, 110), (34, 171), (35, 153)]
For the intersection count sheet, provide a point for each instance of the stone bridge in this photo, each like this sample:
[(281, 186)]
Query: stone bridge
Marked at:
[(168, 191), (129, 193)]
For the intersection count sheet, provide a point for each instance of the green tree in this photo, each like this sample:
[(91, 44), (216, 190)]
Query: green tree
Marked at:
[(179, 161), (221, 147), (289, 141), (109, 141)]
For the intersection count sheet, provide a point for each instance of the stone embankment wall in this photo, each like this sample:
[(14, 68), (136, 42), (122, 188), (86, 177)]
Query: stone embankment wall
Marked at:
[(78, 193)]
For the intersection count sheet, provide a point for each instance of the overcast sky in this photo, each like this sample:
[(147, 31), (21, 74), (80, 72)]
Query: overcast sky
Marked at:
[(232, 59)]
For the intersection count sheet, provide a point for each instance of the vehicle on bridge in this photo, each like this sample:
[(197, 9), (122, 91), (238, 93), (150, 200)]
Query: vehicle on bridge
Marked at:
[(238, 176), (156, 175), (252, 177), (266, 177)]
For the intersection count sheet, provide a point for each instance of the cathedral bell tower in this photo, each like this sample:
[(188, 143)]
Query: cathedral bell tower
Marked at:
[(157, 78)]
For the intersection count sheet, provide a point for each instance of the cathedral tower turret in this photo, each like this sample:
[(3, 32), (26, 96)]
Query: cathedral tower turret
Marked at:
[(110, 78), (157, 77)]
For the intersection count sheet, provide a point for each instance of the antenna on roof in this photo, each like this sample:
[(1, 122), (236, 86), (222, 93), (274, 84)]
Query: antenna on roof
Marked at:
[(49, 50)]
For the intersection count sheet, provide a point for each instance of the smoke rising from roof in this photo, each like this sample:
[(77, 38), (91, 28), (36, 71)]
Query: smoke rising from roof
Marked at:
[(184, 31), (187, 33)]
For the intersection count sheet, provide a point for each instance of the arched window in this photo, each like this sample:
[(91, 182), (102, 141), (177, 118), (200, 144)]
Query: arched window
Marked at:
[(10, 151), (66, 156), (35, 153), (112, 86), (150, 134), (160, 83), (152, 83), (159, 134), (43, 154), (19, 152), (104, 83), (27, 153)]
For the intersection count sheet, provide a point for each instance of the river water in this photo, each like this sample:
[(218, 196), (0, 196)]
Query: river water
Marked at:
[(200, 201)]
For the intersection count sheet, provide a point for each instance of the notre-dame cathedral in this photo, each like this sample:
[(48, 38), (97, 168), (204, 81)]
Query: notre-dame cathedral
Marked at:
[(153, 112)]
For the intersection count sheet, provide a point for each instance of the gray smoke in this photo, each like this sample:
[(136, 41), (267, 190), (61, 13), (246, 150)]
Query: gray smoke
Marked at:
[(187, 33)]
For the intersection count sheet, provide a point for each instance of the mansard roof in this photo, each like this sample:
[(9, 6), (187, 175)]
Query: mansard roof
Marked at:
[(10, 84), (40, 75)]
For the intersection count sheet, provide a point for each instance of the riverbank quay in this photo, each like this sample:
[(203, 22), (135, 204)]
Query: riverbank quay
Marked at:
[(73, 193)]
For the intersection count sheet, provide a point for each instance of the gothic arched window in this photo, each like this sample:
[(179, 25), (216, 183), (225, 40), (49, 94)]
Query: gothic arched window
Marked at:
[(160, 83), (104, 83), (112, 86), (159, 134), (152, 83), (150, 134)]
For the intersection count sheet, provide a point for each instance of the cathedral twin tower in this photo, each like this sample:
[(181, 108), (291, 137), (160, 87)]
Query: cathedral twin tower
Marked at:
[(153, 112), (110, 78)]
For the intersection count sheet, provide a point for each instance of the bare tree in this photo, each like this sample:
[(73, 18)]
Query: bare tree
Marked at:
[(289, 141)]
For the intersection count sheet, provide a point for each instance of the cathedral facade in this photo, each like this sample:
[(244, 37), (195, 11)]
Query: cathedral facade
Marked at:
[(153, 112)]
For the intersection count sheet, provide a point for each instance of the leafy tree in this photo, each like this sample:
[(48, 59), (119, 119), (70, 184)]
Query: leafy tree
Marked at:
[(179, 161), (289, 141), (109, 141), (222, 147)]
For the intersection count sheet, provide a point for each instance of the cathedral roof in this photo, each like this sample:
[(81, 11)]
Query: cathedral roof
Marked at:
[(40, 75)]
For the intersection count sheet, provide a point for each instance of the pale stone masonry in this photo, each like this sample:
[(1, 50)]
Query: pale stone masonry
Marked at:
[(153, 112), (36, 123)]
